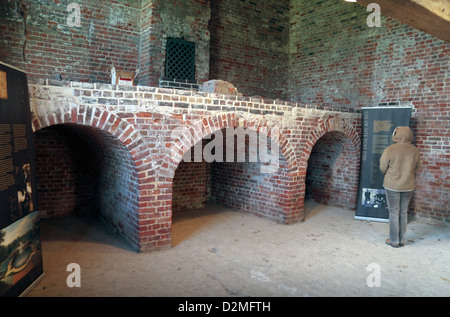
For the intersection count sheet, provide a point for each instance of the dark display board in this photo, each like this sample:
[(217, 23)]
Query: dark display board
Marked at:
[(378, 124), (20, 245)]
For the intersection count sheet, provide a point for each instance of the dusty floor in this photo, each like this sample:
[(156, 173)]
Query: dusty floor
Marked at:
[(220, 252)]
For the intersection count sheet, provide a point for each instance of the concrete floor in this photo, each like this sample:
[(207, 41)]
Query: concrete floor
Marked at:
[(224, 253)]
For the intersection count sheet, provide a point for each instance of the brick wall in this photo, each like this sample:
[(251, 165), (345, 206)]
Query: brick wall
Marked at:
[(116, 186), (191, 185), (336, 59), (108, 35), (249, 45), (242, 186), (247, 40), (128, 35), (64, 174), (186, 19), (132, 129)]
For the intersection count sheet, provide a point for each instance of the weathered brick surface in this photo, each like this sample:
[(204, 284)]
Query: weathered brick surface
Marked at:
[(108, 35), (64, 173), (142, 157), (314, 52), (191, 184), (336, 59), (242, 186), (249, 45), (243, 42), (161, 20)]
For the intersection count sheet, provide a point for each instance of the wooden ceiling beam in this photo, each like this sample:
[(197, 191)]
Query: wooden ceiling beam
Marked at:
[(432, 17)]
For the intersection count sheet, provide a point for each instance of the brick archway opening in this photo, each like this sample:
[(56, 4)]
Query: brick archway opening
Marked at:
[(228, 182), (85, 170), (242, 186), (333, 171)]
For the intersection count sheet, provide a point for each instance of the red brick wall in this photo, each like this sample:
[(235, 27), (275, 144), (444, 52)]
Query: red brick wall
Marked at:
[(248, 41), (337, 60), (191, 185), (242, 186), (108, 35), (65, 177), (140, 162), (238, 185), (249, 45), (160, 19)]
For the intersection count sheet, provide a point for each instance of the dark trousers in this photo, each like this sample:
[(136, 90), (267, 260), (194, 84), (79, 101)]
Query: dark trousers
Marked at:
[(398, 203)]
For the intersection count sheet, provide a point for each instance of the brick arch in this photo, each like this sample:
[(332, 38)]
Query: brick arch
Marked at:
[(93, 117), (329, 125), (125, 137), (332, 124), (290, 208), (210, 124)]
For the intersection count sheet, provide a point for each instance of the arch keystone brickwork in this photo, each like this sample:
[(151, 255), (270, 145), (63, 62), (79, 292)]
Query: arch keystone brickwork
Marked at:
[(328, 125)]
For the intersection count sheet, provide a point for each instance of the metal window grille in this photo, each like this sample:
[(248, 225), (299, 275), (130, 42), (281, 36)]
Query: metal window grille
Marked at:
[(180, 59)]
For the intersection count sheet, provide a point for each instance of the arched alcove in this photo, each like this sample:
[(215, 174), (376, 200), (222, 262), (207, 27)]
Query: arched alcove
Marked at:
[(84, 170), (331, 158), (272, 192), (332, 177)]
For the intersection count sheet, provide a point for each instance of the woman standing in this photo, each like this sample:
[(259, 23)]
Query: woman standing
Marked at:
[(399, 163)]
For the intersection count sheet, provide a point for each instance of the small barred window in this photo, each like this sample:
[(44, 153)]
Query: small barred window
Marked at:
[(180, 59)]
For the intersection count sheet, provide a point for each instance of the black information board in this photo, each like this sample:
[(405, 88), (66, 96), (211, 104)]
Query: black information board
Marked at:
[(378, 124), (20, 245)]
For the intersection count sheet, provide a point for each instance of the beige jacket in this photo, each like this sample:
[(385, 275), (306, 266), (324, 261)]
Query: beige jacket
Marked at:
[(400, 161)]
